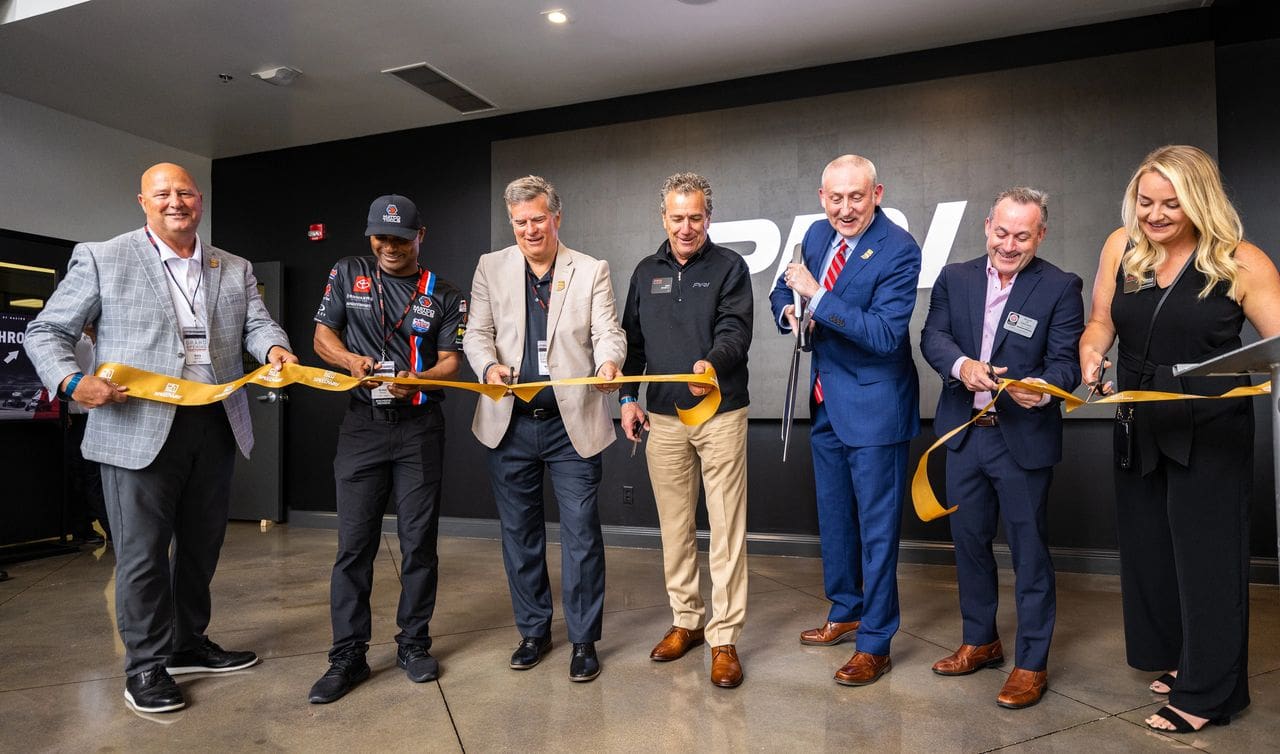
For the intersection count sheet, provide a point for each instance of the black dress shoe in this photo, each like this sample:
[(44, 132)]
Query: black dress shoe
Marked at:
[(346, 669), (584, 665), (530, 652), (418, 663), (153, 691), (209, 658)]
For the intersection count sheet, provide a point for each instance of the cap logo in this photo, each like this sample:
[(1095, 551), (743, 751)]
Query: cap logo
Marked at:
[(391, 209)]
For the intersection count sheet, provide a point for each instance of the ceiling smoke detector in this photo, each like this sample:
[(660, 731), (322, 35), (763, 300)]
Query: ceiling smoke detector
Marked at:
[(279, 76)]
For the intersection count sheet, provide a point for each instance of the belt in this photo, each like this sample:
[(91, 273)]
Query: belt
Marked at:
[(537, 414), (394, 413), (988, 419)]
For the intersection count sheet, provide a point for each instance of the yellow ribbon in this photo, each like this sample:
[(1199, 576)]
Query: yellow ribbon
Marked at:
[(179, 392), (926, 502)]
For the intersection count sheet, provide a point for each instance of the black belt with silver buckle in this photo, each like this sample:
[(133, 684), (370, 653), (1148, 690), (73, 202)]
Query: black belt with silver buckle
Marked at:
[(396, 413), (988, 419), (537, 413)]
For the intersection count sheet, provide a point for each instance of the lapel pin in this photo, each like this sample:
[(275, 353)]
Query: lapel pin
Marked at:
[(867, 254), (559, 285), (213, 264)]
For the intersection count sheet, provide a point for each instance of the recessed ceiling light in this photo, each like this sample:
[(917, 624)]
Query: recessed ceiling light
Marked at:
[(557, 16)]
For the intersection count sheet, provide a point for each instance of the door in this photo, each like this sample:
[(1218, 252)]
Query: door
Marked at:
[(256, 487)]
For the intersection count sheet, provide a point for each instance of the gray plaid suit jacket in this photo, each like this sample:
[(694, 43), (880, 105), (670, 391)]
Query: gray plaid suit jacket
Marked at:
[(120, 285)]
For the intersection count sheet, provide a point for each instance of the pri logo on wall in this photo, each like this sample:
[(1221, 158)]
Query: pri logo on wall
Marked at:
[(362, 284)]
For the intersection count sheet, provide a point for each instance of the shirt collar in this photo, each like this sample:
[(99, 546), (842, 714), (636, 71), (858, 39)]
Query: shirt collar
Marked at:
[(167, 253), (994, 275)]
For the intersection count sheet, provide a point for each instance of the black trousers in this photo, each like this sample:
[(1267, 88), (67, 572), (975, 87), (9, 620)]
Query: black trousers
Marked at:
[(384, 458), (181, 498), (1184, 566)]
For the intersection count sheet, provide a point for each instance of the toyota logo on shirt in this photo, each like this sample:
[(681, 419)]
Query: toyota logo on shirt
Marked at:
[(362, 285)]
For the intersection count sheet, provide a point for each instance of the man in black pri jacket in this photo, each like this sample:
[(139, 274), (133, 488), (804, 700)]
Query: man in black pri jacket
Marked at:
[(689, 307)]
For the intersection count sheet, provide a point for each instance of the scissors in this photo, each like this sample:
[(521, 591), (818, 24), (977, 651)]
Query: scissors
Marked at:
[(1095, 387)]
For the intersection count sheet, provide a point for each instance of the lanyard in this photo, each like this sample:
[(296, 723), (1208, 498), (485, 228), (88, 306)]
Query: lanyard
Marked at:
[(191, 300), (423, 278), (533, 286)]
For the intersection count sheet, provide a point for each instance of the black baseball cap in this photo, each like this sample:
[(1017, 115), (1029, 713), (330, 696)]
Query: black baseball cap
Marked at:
[(393, 215)]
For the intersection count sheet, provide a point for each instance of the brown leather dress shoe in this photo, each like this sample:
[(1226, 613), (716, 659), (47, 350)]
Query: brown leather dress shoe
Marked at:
[(676, 643), (863, 669), (1023, 689), (829, 633), (970, 658), (726, 670)]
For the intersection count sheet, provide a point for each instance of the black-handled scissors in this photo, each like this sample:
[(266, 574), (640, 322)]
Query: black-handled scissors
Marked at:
[(1095, 387)]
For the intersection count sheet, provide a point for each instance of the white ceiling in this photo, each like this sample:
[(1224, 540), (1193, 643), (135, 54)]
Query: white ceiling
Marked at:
[(151, 67)]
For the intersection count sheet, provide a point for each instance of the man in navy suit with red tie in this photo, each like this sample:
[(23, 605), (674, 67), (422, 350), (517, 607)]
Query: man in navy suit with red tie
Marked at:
[(1010, 314), (864, 404)]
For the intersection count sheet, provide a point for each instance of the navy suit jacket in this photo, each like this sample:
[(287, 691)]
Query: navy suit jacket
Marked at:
[(862, 341), (954, 329)]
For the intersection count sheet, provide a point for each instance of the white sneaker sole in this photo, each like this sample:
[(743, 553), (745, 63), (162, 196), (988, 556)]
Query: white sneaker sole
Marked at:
[(128, 699), (183, 669)]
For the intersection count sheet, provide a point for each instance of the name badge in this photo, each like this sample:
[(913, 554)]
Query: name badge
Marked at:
[(661, 285), (1132, 284), (382, 394), (1020, 324), (195, 343), (543, 369)]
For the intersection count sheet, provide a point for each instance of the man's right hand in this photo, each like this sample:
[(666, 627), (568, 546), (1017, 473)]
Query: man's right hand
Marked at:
[(361, 367), (499, 374), (634, 421), (93, 391), (977, 376)]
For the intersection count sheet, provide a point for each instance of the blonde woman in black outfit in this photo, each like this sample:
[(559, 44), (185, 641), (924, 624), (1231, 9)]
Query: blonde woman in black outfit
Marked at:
[(1175, 285)]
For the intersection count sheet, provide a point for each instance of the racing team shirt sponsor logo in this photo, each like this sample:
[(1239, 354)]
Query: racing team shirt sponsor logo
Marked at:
[(392, 214), (328, 289), (362, 284), (424, 311), (420, 325), (333, 272)]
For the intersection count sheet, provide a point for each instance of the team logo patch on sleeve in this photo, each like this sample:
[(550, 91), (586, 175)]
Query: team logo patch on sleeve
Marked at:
[(420, 325), (362, 284)]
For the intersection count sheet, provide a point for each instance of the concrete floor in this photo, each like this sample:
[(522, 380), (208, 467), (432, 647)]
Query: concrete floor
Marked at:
[(61, 681)]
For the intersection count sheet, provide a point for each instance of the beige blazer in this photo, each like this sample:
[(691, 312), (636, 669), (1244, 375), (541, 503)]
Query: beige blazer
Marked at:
[(582, 334)]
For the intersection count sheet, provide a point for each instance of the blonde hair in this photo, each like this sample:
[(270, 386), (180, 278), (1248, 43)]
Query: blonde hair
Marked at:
[(1198, 186)]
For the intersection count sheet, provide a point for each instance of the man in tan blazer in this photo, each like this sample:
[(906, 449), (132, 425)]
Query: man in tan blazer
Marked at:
[(541, 311)]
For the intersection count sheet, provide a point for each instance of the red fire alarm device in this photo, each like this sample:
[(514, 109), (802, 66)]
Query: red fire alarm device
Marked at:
[(316, 232)]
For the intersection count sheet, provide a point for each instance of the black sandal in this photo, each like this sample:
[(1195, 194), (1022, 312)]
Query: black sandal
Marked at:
[(1180, 723), (1167, 679)]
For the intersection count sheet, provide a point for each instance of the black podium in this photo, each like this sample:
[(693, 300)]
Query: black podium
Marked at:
[(1262, 357)]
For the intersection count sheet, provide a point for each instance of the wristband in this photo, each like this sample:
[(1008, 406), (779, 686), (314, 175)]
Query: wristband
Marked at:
[(624, 400), (71, 385)]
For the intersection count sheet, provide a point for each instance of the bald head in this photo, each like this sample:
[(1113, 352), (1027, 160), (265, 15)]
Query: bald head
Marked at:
[(173, 205), (850, 194)]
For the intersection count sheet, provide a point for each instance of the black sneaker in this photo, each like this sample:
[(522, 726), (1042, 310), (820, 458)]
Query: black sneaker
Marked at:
[(418, 663), (530, 652), (209, 658), (346, 669), (153, 691), (583, 664)]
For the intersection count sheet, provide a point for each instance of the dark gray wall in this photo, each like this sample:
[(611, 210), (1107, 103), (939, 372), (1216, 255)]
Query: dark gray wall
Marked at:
[(1061, 127), (266, 201)]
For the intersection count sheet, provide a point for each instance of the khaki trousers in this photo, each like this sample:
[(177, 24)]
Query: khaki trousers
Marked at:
[(677, 457)]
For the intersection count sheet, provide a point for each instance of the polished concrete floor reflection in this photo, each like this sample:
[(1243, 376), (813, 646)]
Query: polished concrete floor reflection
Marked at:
[(61, 682)]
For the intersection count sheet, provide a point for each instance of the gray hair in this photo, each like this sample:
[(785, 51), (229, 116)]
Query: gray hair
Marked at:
[(684, 183), (852, 161), (1024, 195), (527, 189)]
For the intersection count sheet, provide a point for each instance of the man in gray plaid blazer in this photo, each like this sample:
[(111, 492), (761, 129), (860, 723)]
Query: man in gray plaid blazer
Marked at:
[(164, 302)]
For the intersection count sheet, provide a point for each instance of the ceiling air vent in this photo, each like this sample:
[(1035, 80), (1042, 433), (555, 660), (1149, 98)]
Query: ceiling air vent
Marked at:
[(424, 77)]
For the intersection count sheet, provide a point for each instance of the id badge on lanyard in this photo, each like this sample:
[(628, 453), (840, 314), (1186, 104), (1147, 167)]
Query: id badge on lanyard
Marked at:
[(195, 343), (382, 394)]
